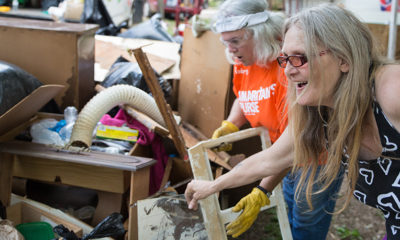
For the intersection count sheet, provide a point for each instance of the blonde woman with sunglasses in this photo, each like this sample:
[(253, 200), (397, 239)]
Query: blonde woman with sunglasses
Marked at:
[(343, 106), (253, 39)]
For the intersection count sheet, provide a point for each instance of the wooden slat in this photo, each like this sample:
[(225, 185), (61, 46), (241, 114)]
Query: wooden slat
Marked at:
[(147, 121), (209, 206), (167, 173), (191, 141), (158, 95)]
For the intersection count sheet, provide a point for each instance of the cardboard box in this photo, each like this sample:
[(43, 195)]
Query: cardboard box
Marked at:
[(205, 88), (15, 120), (55, 53)]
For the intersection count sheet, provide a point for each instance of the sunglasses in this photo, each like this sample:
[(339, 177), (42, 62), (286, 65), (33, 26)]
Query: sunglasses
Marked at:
[(295, 60)]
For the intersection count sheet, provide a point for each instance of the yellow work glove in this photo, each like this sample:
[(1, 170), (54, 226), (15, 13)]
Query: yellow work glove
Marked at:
[(226, 128), (251, 205)]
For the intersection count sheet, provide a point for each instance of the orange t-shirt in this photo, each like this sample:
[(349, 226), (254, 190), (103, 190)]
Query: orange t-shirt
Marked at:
[(261, 92)]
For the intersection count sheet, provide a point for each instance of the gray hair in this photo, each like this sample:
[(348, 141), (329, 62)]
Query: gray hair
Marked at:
[(266, 36)]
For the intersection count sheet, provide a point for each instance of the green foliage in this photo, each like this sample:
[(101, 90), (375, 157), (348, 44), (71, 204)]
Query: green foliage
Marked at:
[(214, 3), (347, 234)]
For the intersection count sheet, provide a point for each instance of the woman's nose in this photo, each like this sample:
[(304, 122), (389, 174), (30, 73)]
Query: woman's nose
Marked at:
[(231, 49), (289, 69)]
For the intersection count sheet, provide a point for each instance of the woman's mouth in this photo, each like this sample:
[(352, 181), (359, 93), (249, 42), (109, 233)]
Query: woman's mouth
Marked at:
[(301, 85)]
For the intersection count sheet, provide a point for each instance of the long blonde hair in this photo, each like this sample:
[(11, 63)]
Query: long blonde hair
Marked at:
[(322, 133)]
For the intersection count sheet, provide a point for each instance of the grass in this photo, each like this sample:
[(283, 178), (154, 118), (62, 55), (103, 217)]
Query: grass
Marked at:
[(272, 227), (348, 234)]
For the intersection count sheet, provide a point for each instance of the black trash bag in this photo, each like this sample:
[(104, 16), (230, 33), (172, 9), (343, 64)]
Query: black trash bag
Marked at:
[(95, 12), (15, 84), (125, 72), (150, 29), (111, 226), (65, 233), (46, 4)]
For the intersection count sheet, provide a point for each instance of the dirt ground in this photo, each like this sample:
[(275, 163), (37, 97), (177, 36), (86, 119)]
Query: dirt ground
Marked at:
[(357, 222)]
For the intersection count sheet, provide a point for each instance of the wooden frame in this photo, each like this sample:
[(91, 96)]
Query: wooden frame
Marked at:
[(214, 223)]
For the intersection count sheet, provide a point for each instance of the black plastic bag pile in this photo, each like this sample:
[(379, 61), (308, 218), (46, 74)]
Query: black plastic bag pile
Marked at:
[(111, 226)]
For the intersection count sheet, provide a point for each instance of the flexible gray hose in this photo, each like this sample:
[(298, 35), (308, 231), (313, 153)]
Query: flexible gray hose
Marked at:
[(103, 102)]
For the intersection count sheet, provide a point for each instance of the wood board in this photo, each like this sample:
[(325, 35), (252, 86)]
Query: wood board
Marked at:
[(205, 84), (163, 56)]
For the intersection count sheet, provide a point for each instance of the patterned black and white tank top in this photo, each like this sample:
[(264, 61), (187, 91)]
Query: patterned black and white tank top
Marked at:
[(378, 184)]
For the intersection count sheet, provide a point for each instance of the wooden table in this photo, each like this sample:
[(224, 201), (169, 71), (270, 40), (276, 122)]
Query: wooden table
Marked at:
[(110, 174)]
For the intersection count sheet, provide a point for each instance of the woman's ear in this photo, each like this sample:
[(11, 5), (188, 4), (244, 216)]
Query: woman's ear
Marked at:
[(344, 66)]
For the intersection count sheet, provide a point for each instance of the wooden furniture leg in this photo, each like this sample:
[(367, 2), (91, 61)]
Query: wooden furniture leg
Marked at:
[(139, 189), (108, 203), (6, 165)]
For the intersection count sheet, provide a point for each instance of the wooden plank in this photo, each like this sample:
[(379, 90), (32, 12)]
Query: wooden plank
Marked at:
[(205, 85), (6, 164), (25, 109), (115, 161), (147, 121), (215, 156), (167, 173), (158, 95), (191, 141), (106, 53), (209, 206)]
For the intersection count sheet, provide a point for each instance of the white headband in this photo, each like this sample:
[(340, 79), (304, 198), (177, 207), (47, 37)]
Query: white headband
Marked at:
[(238, 22)]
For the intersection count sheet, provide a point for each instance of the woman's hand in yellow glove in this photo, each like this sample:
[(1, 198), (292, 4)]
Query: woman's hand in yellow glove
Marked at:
[(226, 128), (251, 205)]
